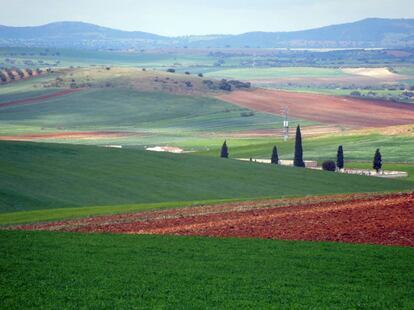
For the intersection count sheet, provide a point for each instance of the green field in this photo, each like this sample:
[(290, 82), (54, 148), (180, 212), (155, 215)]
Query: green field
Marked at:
[(407, 70), (77, 271), (190, 122), (269, 73), (39, 176), (130, 110), (48, 181), (25, 95), (359, 147), (85, 58), (409, 168), (45, 215)]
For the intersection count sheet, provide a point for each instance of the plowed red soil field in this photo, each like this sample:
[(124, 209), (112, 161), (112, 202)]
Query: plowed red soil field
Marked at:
[(359, 218), (39, 98), (334, 110)]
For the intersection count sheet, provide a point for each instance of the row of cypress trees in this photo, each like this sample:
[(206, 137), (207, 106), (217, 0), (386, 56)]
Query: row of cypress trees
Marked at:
[(298, 158)]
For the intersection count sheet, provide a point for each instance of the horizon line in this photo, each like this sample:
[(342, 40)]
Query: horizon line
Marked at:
[(199, 35)]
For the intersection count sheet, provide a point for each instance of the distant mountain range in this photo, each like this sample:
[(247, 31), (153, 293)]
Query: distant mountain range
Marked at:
[(367, 33)]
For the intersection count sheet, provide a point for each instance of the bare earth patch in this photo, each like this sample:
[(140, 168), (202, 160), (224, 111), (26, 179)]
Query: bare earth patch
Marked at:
[(386, 219), (372, 72), (345, 111)]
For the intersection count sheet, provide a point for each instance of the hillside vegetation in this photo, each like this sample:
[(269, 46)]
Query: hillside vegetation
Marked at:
[(37, 176), (126, 109), (357, 147), (68, 270)]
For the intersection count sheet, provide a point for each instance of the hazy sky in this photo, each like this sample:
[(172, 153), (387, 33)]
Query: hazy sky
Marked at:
[(183, 17)]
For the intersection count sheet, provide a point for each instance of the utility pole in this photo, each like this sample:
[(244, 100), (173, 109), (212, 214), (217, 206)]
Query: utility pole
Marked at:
[(285, 111)]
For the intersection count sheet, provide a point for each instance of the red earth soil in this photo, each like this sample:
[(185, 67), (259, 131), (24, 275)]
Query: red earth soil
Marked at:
[(325, 109), (81, 135), (38, 99), (359, 218)]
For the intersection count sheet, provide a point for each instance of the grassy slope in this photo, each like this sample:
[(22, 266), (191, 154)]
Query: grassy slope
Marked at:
[(408, 70), (25, 95), (61, 270), (22, 86), (181, 120), (125, 109), (356, 147), (45, 215), (36, 176), (389, 166), (268, 73)]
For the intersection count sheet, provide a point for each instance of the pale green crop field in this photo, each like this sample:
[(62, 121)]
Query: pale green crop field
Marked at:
[(269, 73), (150, 115)]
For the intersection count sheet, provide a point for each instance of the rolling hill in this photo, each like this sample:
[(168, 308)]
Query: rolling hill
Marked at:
[(371, 32), (128, 110), (75, 34), (40, 176)]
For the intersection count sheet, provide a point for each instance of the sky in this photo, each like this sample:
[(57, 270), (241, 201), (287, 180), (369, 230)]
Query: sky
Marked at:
[(192, 17)]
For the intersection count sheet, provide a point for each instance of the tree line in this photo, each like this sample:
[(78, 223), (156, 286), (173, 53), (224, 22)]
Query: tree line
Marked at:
[(298, 161)]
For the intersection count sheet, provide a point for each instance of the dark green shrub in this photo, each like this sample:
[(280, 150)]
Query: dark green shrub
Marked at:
[(329, 165)]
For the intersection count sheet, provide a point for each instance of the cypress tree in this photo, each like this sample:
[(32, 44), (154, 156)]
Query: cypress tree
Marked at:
[(224, 151), (377, 164), (275, 156), (298, 160), (340, 158)]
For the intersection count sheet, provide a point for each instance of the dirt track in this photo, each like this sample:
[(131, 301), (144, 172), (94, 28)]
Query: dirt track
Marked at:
[(38, 99), (343, 111), (360, 218)]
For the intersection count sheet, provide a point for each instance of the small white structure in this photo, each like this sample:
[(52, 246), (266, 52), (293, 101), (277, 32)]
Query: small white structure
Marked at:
[(114, 146), (168, 149)]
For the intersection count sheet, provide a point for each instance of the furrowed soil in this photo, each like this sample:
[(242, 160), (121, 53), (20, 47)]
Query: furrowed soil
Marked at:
[(345, 111), (386, 219)]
